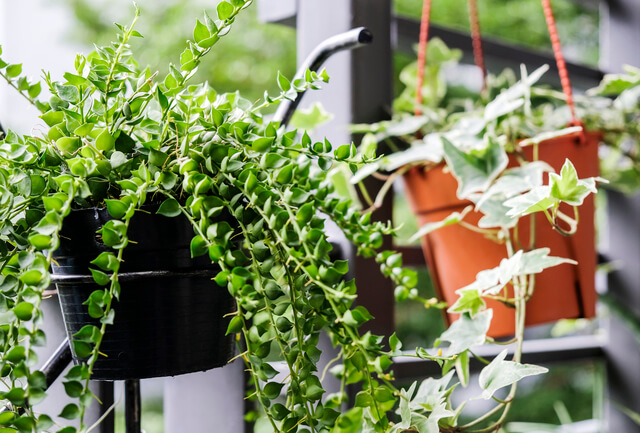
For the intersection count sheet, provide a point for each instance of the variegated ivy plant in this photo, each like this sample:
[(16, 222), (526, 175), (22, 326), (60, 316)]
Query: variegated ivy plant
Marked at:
[(472, 132)]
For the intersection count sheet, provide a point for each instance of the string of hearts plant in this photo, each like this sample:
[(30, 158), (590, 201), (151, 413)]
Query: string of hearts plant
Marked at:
[(121, 137)]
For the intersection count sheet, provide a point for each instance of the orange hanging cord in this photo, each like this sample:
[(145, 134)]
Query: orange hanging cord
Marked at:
[(422, 47), (476, 39), (479, 56), (422, 54), (562, 66)]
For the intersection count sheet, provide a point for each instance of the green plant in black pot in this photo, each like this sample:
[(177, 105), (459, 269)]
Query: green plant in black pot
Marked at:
[(135, 176)]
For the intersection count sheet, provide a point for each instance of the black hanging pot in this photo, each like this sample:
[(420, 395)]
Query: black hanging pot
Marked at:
[(170, 316)]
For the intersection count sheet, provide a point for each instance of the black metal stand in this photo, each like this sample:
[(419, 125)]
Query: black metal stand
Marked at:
[(132, 409)]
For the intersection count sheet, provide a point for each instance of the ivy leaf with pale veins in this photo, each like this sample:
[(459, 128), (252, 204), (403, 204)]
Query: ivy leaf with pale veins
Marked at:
[(500, 373), (467, 332), (568, 188), (476, 170)]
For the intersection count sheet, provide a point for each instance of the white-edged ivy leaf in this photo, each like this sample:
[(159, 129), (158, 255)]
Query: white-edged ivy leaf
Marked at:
[(404, 410), (494, 213), (536, 261), (462, 368), (568, 188), (516, 181), (500, 373), (513, 98), (548, 135), (430, 151), (453, 218), (475, 170), (366, 171), (467, 331), (432, 396), (536, 200)]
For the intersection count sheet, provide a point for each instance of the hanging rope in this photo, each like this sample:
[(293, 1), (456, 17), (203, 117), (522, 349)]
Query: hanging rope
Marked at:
[(562, 66), (476, 39), (479, 56), (422, 54)]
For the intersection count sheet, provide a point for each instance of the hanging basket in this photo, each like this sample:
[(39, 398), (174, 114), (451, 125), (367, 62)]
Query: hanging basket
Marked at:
[(170, 318), (455, 254)]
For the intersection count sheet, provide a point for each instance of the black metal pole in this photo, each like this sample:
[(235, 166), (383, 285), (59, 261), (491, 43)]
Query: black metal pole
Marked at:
[(344, 41), (132, 411), (57, 362)]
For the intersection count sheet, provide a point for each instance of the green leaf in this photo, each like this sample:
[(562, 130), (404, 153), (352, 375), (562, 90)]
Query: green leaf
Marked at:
[(40, 241), (235, 325), (272, 390), (198, 246), (537, 200), (14, 70), (73, 388), (70, 411), (157, 158), (262, 144), (500, 373), (68, 93), (16, 355), (116, 208), (23, 311), (283, 82), (105, 142), (225, 10), (470, 300), (68, 146), (568, 188), (34, 90), (107, 262), (169, 208), (467, 332), (200, 32), (100, 277), (395, 344), (88, 334)]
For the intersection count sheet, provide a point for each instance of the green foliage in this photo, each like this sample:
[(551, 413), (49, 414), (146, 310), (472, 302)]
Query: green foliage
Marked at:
[(243, 62)]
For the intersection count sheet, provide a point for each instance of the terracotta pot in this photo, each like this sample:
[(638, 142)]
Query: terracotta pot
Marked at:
[(455, 255)]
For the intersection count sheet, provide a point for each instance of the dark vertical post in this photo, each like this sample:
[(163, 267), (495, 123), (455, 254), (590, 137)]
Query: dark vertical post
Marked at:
[(106, 396), (133, 409), (371, 97), (620, 32), (623, 349)]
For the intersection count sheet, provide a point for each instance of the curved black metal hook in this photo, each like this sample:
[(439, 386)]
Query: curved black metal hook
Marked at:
[(349, 40)]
